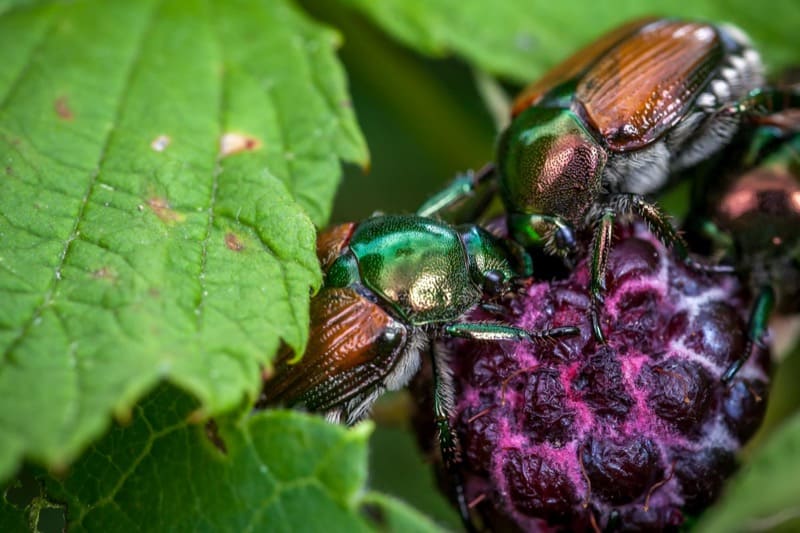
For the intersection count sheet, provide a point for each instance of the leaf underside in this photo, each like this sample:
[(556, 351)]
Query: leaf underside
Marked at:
[(272, 471)]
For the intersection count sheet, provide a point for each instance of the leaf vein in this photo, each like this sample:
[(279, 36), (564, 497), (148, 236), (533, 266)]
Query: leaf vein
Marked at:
[(199, 308), (50, 292), (14, 86)]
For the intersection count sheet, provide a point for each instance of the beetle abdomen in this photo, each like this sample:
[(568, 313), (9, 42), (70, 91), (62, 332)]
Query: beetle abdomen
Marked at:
[(353, 346)]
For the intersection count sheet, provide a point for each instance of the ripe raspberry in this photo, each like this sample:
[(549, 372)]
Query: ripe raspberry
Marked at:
[(626, 436)]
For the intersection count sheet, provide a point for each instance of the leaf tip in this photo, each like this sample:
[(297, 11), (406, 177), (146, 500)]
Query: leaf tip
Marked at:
[(198, 416), (362, 430)]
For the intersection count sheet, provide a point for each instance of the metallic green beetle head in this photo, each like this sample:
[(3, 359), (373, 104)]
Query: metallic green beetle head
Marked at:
[(426, 270), (494, 263), (416, 265), (550, 169)]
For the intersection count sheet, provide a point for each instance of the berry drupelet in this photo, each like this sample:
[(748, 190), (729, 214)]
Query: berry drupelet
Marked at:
[(631, 435)]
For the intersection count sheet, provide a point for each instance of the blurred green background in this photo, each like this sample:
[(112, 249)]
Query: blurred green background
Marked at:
[(424, 121)]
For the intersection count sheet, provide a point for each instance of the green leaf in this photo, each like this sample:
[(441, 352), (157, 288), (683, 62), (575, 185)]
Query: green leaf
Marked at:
[(393, 515), (161, 167), (766, 492), (272, 471), (519, 39), (12, 517)]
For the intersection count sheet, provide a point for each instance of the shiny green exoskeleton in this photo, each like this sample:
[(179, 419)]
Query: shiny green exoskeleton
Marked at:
[(392, 285), (602, 133), (426, 271), (746, 207)]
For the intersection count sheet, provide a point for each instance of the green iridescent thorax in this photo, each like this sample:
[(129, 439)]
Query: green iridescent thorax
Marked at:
[(488, 254), (418, 265), (550, 165)]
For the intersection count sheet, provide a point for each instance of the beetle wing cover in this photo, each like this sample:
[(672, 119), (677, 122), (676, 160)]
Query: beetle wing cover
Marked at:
[(332, 242), (645, 84), (346, 354), (574, 66)]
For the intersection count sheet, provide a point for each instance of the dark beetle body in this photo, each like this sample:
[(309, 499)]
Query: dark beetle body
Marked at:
[(758, 209), (606, 130), (355, 351), (392, 285), (746, 206), (420, 267), (405, 279), (622, 116)]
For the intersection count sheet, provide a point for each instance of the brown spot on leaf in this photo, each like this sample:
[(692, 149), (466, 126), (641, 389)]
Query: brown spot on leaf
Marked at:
[(64, 112), (233, 242), (105, 273), (160, 143), (162, 209), (154, 293), (347, 104), (233, 143)]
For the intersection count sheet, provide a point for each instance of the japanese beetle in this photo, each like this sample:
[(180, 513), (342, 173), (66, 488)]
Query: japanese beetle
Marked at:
[(746, 207), (599, 134), (394, 284)]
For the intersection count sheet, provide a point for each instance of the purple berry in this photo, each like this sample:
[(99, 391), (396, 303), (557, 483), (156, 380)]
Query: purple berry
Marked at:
[(627, 436)]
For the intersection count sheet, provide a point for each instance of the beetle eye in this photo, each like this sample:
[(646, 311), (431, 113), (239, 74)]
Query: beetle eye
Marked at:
[(390, 337), (564, 238), (494, 283)]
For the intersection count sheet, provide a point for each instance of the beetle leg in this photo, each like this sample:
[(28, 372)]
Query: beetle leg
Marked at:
[(756, 329), (457, 191), (764, 106), (536, 230), (487, 331), (448, 440), (660, 225), (601, 246), (493, 308), (719, 238)]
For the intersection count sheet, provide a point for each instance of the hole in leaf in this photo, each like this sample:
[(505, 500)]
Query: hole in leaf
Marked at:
[(23, 490), (52, 519)]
